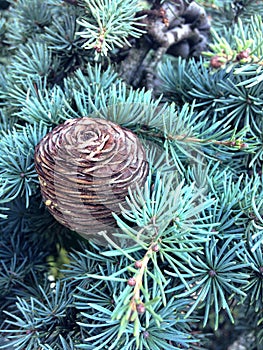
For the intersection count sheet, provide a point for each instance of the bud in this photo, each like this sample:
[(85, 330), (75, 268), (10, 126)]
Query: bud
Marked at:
[(98, 48), (212, 273), (243, 54), (146, 334), (155, 248), (244, 145), (140, 308), (138, 264), (216, 62), (131, 282)]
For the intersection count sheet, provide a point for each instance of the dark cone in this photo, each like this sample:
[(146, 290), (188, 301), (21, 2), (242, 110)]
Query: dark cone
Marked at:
[(85, 168)]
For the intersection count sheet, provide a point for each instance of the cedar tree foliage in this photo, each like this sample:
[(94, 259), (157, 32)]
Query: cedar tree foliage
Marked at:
[(131, 194)]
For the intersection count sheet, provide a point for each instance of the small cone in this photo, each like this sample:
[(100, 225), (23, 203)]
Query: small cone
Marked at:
[(85, 168)]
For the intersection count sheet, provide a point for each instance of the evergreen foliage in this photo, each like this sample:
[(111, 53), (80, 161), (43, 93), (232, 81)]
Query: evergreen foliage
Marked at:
[(188, 266)]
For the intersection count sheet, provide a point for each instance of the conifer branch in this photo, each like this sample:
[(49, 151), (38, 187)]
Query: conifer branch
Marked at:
[(138, 278), (182, 248)]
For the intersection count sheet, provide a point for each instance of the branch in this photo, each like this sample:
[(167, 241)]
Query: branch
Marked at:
[(232, 142), (142, 265), (179, 30)]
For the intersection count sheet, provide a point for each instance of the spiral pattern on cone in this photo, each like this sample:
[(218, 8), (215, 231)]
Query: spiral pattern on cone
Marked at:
[(85, 168)]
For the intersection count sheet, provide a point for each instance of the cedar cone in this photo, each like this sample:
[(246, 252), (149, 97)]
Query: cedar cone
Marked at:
[(85, 167)]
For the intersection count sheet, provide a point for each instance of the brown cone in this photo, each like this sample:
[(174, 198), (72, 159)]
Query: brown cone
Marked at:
[(85, 167)]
